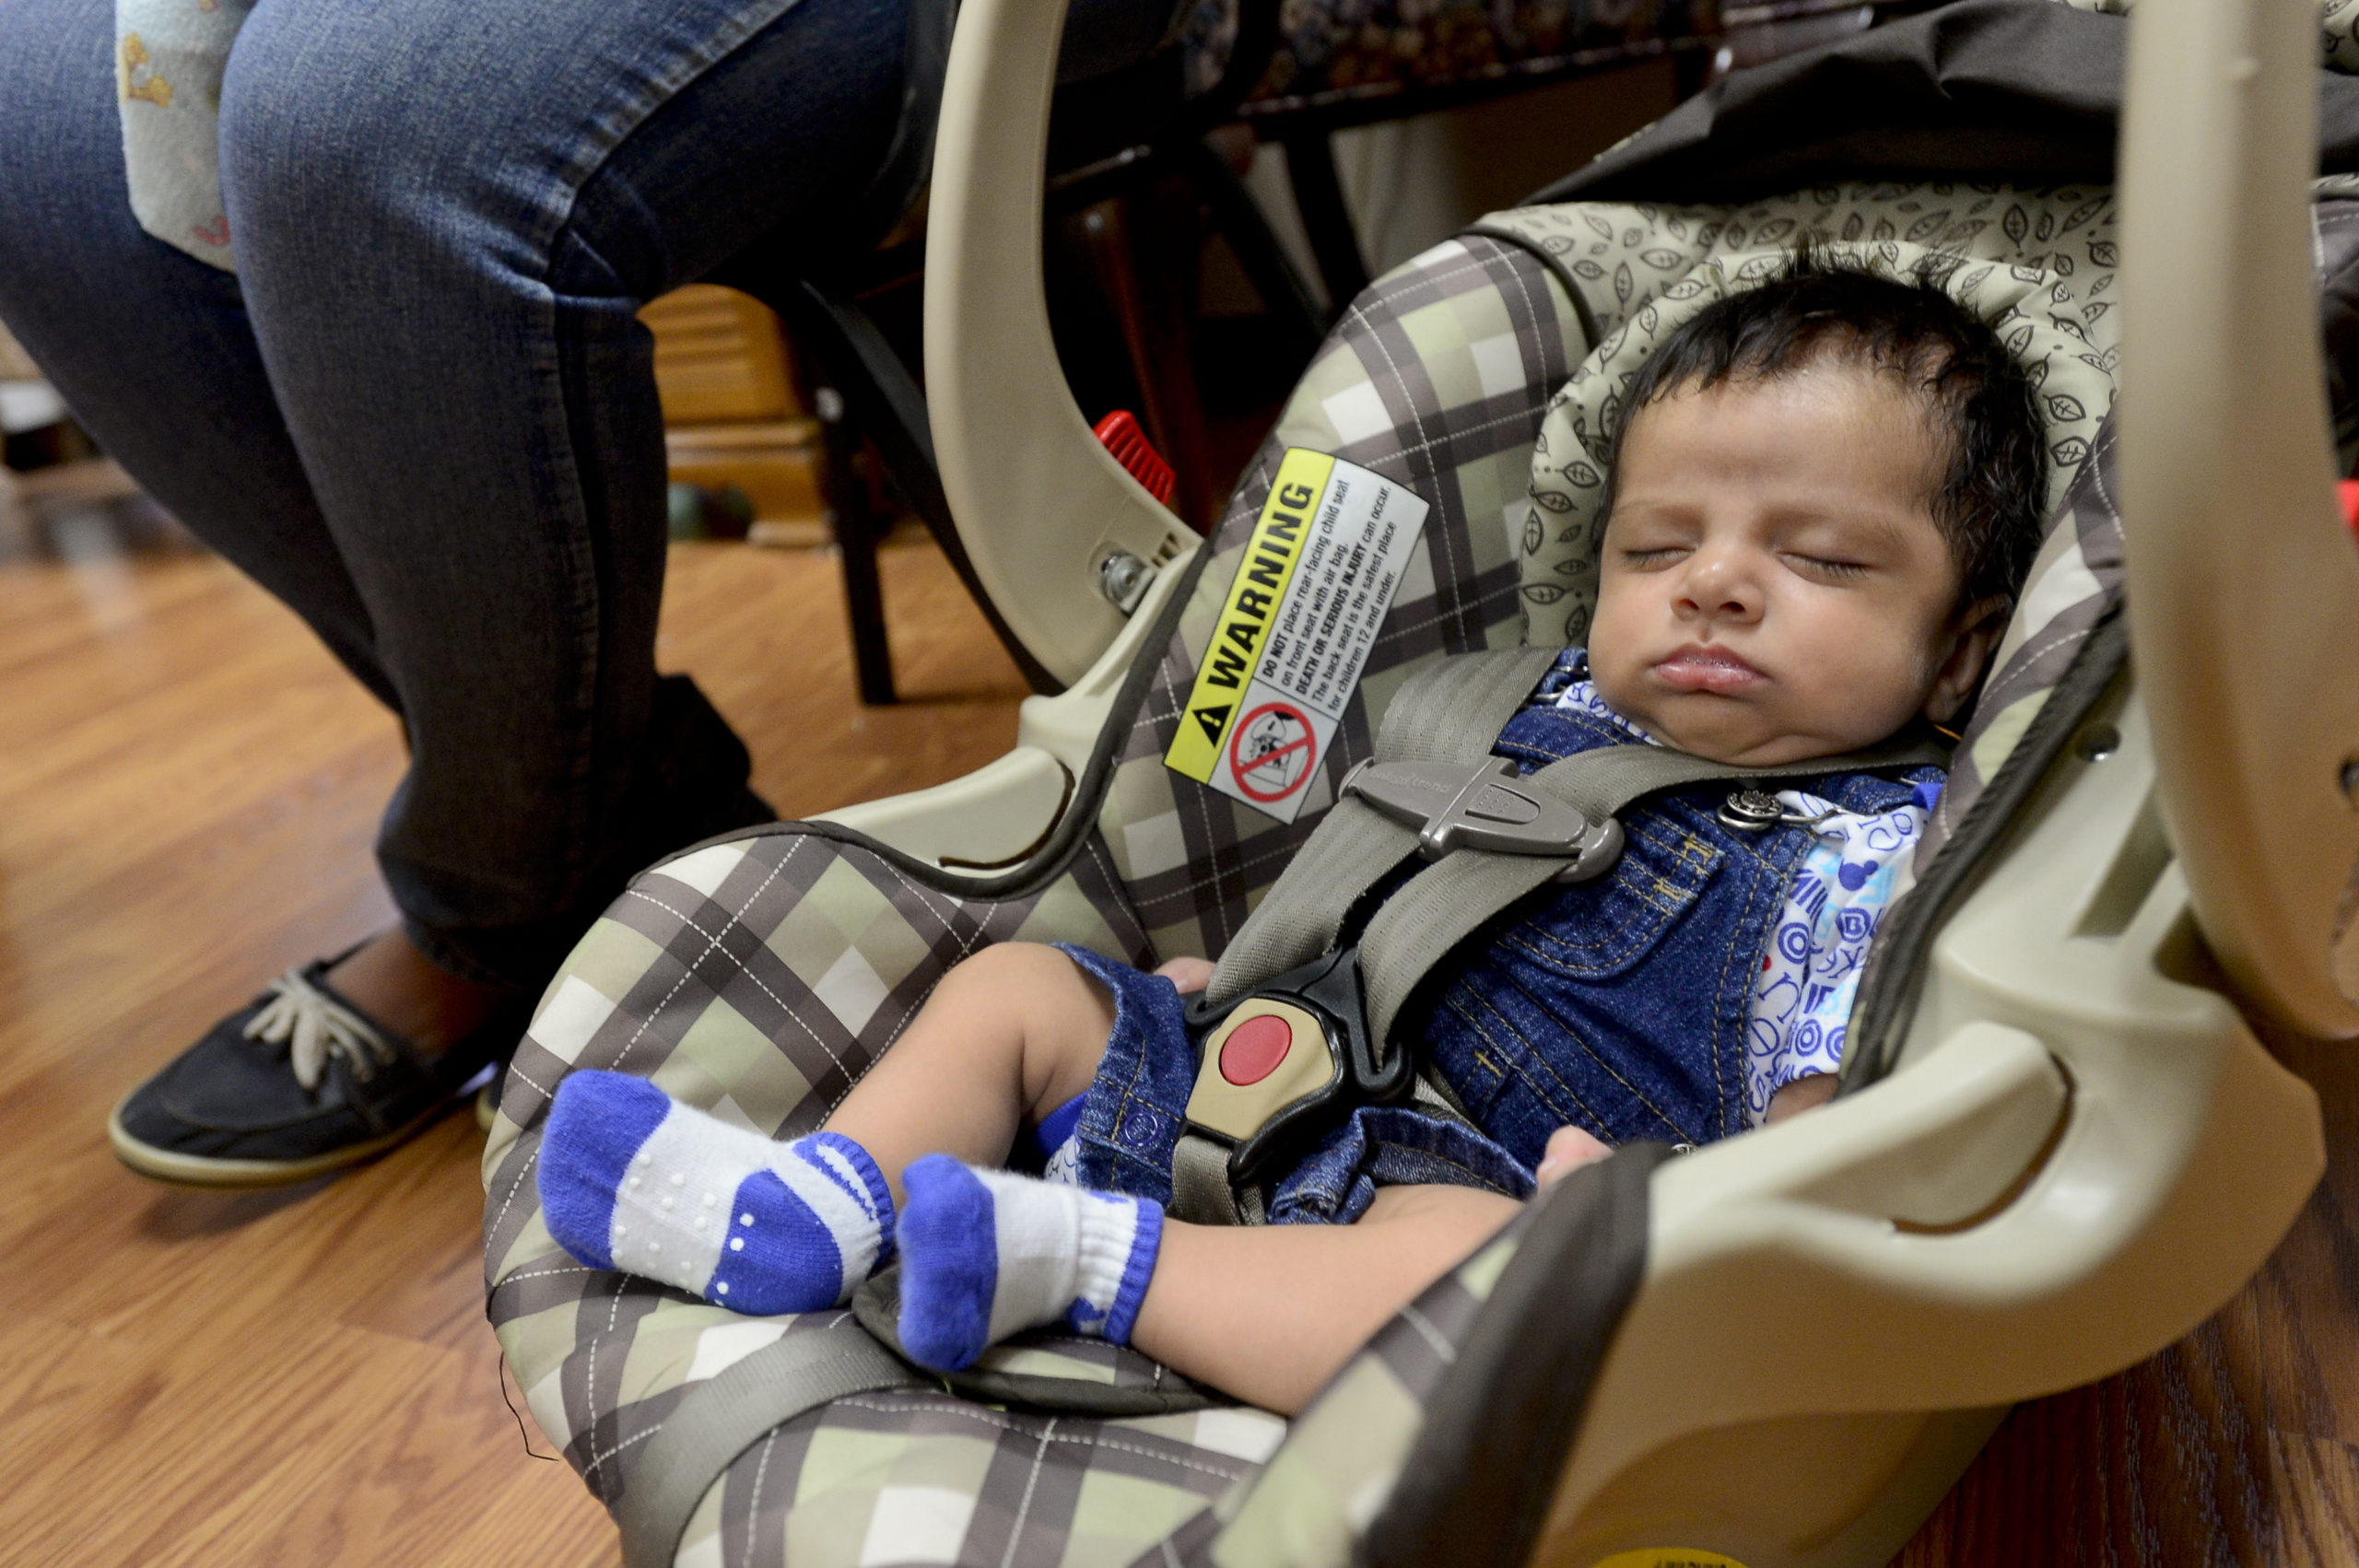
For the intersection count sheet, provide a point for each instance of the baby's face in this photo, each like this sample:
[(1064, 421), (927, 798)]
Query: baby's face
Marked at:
[(1774, 586)]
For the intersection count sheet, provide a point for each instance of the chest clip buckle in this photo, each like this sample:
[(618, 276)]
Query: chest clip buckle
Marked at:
[(1485, 805)]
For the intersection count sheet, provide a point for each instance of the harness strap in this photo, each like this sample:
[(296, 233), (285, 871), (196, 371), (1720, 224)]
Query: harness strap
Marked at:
[(720, 1418), (1453, 710), (1456, 896), (1200, 1193)]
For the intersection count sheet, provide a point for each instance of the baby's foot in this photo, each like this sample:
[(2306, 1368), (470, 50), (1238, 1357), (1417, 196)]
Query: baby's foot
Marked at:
[(985, 1254), (632, 1179)]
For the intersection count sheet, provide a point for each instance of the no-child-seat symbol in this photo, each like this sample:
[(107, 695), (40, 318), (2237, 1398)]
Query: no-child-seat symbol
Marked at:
[(1272, 752)]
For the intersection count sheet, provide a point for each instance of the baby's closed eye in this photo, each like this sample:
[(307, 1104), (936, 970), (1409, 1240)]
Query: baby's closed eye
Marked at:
[(1654, 555), (1832, 568)]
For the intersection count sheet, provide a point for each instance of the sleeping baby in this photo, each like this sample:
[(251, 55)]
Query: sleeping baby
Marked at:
[(1823, 497)]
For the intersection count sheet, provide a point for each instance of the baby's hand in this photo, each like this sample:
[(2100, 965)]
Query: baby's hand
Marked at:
[(1570, 1148), (1190, 975), (1802, 1094)]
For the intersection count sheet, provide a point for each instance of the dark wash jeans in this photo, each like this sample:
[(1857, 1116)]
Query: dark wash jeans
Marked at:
[(423, 413), (1617, 1005)]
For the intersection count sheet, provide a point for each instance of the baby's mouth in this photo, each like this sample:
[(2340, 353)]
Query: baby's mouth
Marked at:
[(1696, 668)]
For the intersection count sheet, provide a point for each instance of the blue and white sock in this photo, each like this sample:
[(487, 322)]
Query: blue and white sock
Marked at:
[(985, 1254), (632, 1179), (1059, 1136)]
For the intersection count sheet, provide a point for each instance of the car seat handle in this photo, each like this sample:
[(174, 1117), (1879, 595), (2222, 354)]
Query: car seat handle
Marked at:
[(1040, 505), (2243, 587)]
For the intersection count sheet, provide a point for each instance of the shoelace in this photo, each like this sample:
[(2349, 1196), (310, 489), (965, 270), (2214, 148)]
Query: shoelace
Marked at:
[(311, 1024)]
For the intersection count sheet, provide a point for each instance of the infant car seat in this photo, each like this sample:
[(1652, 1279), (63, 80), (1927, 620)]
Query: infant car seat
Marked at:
[(2058, 1146)]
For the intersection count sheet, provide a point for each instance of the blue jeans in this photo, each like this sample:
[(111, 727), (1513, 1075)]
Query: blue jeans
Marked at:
[(1138, 1106), (423, 413)]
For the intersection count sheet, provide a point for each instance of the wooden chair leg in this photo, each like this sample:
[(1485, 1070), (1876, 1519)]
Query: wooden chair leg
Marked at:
[(882, 399), (1693, 70), (856, 530), (1294, 310)]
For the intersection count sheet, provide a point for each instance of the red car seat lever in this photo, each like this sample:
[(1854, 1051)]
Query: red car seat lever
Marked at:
[(1121, 435)]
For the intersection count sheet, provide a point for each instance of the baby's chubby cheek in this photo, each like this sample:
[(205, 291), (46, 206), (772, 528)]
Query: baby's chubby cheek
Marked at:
[(1615, 664)]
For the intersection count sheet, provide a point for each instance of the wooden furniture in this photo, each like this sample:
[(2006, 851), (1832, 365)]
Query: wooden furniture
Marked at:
[(733, 414)]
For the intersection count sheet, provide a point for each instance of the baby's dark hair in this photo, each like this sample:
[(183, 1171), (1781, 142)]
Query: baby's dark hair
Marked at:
[(1991, 498)]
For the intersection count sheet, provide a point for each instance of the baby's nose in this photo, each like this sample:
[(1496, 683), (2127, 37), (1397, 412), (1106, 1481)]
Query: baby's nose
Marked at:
[(1720, 583)]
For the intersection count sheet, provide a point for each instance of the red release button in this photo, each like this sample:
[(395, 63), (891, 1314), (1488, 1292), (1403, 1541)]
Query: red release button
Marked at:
[(1254, 1048)]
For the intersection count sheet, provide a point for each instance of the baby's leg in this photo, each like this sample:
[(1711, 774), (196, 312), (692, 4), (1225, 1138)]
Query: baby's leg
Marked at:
[(630, 1179), (1013, 1032), (1269, 1313)]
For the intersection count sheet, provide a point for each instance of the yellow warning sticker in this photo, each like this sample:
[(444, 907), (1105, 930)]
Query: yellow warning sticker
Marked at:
[(1667, 1557), (1311, 591)]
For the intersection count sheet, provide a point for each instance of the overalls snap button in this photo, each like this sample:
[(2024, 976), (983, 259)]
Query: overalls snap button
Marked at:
[(1751, 811)]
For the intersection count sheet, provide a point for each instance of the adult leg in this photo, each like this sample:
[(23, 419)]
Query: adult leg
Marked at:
[(155, 354), (151, 347), (469, 508), (516, 581), (447, 215)]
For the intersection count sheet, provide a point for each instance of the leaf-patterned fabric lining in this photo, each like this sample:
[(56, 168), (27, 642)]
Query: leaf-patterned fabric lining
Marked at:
[(2338, 27)]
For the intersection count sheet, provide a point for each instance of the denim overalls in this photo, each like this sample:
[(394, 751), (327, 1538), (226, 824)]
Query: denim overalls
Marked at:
[(1617, 1005)]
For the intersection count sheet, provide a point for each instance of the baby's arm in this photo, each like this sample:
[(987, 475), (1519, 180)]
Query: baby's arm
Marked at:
[(1805, 1094), (1269, 1313)]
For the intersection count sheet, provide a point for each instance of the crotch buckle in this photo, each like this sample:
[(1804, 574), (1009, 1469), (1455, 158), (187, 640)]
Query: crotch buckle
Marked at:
[(1485, 805)]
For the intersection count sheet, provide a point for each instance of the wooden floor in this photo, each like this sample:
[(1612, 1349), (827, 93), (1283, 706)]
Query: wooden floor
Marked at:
[(187, 788), (187, 791)]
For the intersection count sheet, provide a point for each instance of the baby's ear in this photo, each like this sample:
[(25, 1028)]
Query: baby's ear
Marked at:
[(1974, 632)]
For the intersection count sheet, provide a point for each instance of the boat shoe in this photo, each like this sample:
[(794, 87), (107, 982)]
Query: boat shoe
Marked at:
[(295, 1084)]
